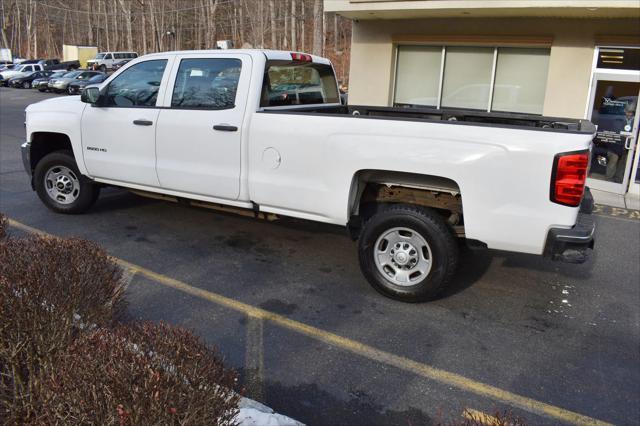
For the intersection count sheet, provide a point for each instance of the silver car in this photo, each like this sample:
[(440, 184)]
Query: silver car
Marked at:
[(61, 84)]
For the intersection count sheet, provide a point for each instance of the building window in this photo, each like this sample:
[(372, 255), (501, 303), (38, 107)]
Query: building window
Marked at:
[(467, 77), (505, 79), (418, 75)]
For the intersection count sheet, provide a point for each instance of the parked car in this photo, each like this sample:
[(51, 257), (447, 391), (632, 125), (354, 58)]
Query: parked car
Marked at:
[(76, 87), (26, 81), (19, 71), (61, 84), (105, 60), (55, 64), (405, 182), (120, 64), (42, 84)]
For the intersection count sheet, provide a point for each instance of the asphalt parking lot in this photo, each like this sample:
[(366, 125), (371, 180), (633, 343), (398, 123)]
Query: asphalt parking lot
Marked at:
[(288, 308)]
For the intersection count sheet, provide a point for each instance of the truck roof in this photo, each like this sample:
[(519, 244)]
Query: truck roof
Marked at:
[(269, 54)]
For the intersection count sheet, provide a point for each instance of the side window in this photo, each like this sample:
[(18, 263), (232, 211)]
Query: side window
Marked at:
[(137, 86), (117, 55), (108, 56), (28, 69), (206, 83)]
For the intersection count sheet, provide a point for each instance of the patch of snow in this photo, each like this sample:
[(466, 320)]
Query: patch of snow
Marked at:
[(253, 413)]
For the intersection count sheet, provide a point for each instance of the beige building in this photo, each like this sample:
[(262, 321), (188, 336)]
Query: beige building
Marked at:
[(565, 58)]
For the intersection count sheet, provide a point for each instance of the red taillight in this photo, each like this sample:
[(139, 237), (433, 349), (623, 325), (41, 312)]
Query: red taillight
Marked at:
[(569, 177), (302, 57)]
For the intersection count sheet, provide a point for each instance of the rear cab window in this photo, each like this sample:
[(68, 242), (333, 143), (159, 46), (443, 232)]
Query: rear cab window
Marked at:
[(291, 83)]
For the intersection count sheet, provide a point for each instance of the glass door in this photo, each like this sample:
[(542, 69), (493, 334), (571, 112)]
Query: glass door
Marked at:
[(614, 110), (634, 185)]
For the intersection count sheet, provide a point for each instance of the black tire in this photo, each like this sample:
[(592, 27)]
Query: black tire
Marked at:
[(103, 68), (26, 85), (69, 92), (42, 89), (88, 191), (432, 229)]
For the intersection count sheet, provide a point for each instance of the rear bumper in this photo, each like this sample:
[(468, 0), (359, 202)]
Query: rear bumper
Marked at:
[(573, 245)]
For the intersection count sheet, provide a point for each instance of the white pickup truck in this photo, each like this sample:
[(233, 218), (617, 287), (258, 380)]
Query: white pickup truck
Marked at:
[(265, 131)]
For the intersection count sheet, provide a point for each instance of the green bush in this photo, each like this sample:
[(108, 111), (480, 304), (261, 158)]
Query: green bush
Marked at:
[(143, 375)]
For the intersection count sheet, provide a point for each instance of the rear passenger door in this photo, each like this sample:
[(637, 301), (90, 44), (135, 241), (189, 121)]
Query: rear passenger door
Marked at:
[(198, 141)]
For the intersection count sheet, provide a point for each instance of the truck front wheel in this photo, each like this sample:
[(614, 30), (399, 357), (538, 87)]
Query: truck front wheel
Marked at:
[(408, 252), (60, 185)]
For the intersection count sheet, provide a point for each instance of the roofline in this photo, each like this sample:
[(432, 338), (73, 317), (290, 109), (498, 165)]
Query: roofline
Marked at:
[(412, 9), (267, 53)]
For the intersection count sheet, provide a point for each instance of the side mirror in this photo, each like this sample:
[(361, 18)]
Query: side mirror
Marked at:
[(90, 95)]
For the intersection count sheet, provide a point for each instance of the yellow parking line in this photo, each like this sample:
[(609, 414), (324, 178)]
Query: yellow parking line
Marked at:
[(403, 363)]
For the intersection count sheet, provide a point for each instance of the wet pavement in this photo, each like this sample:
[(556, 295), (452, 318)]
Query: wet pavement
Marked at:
[(562, 335)]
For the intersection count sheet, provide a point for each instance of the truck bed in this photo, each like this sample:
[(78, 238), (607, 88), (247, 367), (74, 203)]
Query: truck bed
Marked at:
[(451, 116)]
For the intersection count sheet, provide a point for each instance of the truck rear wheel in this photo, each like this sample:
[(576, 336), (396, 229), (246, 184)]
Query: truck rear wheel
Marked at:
[(60, 185), (408, 253)]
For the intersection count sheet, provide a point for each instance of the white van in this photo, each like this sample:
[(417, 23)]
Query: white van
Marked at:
[(105, 60)]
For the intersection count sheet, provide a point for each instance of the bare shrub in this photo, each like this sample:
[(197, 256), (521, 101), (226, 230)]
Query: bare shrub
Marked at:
[(145, 374), (50, 289), (3, 226)]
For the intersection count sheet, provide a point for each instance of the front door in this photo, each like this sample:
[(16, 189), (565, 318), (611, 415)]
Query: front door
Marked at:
[(119, 136), (199, 133), (613, 109)]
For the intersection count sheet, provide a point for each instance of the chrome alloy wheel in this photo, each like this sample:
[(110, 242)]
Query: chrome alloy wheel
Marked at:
[(62, 184), (402, 256)]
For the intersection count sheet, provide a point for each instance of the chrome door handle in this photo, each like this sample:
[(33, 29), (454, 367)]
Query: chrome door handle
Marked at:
[(142, 122), (225, 128), (627, 142)]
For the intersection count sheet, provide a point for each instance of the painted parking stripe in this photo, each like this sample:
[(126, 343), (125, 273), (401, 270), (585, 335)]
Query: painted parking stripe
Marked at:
[(616, 212), (254, 358), (424, 370)]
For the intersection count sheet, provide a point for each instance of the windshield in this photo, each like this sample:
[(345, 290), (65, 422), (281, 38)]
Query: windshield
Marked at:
[(100, 55), (96, 79), (298, 83), (72, 74), (19, 68), (58, 74)]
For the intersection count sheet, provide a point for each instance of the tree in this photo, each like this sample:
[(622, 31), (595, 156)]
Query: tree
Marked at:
[(317, 28), (40, 27)]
